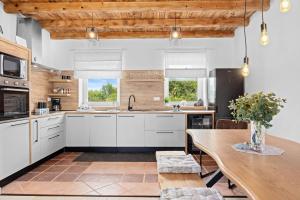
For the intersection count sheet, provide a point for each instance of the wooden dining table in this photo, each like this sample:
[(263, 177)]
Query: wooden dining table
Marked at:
[(261, 177)]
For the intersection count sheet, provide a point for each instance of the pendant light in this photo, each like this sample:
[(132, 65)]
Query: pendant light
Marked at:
[(285, 6), (245, 66), (175, 31), (264, 37), (92, 31)]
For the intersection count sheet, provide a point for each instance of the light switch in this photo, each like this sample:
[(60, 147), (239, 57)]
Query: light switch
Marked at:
[(156, 98)]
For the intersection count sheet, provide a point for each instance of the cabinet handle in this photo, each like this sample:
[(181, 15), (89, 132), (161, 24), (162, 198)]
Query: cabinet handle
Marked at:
[(164, 132), (74, 116), (37, 131), (53, 127), (165, 116), (126, 116), (52, 118), (20, 124), (53, 137), (108, 116)]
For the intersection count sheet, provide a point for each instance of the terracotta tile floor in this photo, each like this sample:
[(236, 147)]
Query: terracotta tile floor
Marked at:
[(63, 176)]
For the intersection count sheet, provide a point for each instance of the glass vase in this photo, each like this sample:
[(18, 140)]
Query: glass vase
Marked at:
[(257, 137)]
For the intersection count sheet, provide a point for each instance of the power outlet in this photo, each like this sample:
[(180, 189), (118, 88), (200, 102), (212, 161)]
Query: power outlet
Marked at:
[(156, 98)]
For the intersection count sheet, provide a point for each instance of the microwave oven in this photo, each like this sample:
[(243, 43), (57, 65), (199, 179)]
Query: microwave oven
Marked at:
[(13, 67)]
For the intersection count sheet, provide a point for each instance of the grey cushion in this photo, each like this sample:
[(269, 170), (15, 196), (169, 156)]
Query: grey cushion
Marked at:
[(190, 194), (178, 164)]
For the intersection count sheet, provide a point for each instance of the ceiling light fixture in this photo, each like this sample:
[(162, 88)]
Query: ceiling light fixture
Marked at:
[(245, 66), (175, 31), (264, 37), (285, 6), (92, 31)]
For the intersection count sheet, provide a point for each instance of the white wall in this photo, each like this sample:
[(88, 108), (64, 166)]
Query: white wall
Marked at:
[(142, 53), (275, 68), (9, 24)]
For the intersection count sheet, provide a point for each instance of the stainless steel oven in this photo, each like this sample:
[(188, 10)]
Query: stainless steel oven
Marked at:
[(13, 67), (14, 102)]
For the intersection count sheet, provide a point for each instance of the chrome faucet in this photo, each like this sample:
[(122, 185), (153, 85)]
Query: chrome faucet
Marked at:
[(129, 102)]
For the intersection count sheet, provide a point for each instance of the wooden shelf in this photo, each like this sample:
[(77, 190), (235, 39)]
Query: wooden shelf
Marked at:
[(59, 95), (60, 81)]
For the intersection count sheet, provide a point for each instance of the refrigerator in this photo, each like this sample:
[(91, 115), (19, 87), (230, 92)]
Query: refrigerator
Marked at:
[(224, 85)]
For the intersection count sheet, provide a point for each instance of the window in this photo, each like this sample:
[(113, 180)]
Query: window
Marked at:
[(99, 91), (183, 90), (185, 74), (102, 90), (99, 75)]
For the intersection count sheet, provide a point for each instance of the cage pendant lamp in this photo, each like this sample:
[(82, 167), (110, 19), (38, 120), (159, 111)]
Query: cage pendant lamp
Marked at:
[(91, 31)]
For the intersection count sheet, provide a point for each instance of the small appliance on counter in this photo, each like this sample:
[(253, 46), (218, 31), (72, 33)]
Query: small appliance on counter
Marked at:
[(42, 108), (56, 104)]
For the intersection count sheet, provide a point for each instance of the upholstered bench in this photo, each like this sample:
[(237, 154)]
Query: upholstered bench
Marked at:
[(182, 164), (169, 153), (190, 193)]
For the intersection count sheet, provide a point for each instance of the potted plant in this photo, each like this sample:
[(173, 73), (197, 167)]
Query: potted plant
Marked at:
[(258, 109)]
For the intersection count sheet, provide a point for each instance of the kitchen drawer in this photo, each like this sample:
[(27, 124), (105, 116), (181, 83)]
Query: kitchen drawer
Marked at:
[(51, 144), (162, 122), (50, 121), (52, 129), (164, 139)]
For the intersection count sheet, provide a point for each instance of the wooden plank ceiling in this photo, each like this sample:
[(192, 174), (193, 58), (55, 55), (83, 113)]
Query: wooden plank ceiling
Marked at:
[(68, 19)]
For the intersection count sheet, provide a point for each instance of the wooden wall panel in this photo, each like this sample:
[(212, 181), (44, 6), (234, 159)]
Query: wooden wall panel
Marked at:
[(144, 85), (68, 103), (40, 86)]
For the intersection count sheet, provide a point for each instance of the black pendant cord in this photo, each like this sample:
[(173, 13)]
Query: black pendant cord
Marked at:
[(245, 34), (262, 11)]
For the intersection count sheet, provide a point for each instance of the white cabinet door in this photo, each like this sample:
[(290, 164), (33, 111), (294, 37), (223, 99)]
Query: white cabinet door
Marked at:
[(103, 130), (14, 147), (164, 139), (130, 130), (36, 151), (77, 131), (165, 122)]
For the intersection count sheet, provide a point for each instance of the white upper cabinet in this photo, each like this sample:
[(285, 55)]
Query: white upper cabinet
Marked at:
[(14, 147), (130, 130), (77, 130), (103, 130)]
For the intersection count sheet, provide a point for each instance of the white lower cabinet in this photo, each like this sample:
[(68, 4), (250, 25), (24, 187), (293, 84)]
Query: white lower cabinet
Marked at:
[(14, 147), (47, 136), (103, 130), (164, 138), (77, 130), (130, 130), (164, 130)]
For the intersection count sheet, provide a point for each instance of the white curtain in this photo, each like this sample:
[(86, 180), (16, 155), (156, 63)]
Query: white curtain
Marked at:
[(99, 64), (186, 64)]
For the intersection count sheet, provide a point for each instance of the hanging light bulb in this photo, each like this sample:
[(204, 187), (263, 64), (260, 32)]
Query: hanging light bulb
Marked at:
[(285, 6), (175, 34), (175, 31), (264, 37), (92, 31), (245, 67)]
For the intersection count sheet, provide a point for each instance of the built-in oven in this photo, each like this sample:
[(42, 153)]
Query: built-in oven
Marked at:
[(14, 102), (13, 67)]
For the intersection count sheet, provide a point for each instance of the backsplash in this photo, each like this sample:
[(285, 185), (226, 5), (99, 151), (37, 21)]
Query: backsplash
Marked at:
[(41, 87), (145, 86)]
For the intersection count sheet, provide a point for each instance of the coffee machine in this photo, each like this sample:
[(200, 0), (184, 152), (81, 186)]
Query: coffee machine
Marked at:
[(56, 105)]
